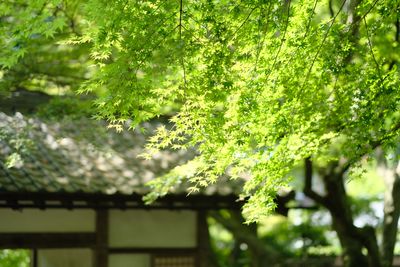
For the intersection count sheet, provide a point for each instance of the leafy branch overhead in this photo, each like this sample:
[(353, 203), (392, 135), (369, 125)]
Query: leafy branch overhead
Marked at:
[(255, 86)]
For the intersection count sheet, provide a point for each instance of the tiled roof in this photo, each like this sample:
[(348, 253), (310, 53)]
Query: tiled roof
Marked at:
[(79, 156), (74, 161)]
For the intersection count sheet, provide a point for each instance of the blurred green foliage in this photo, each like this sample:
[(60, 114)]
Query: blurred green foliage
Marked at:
[(62, 106), (297, 237), (14, 258)]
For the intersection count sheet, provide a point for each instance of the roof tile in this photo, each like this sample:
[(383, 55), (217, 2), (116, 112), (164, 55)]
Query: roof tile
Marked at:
[(79, 156)]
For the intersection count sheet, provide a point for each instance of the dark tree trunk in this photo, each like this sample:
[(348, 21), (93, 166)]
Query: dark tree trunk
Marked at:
[(391, 208), (352, 238), (261, 254), (342, 221), (391, 218)]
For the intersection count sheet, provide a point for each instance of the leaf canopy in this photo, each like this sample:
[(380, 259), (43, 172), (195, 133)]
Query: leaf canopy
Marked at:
[(256, 86)]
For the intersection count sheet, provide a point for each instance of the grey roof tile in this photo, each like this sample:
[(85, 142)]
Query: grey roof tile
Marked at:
[(81, 156)]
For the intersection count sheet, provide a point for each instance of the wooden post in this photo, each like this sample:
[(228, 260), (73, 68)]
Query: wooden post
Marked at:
[(101, 247), (205, 257), (34, 258)]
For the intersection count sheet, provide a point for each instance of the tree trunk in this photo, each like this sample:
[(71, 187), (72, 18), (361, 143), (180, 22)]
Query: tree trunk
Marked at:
[(352, 238), (342, 221), (261, 254), (391, 210)]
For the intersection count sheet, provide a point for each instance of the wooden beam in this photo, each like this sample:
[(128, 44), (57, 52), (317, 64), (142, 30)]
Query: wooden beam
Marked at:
[(101, 247), (131, 250), (47, 240), (78, 200)]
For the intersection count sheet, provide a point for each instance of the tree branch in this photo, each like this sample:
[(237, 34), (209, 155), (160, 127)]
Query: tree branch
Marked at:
[(308, 191), (180, 18), (397, 37), (263, 253), (370, 242), (372, 145), (331, 11)]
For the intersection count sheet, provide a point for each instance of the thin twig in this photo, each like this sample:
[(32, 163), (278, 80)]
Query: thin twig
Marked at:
[(305, 33), (366, 13), (154, 47), (180, 18), (310, 20), (371, 146), (181, 42), (159, 24), (243, 23), (261, 43), (322, 44), (282, 40), (372, 51), (397, 37)]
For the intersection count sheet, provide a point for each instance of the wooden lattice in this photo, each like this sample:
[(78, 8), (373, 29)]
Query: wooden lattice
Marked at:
[(174, 261)]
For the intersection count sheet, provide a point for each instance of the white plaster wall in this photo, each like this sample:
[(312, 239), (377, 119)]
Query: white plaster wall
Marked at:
[(129, 260), (155, 228), (65, 258), (32, 220)]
